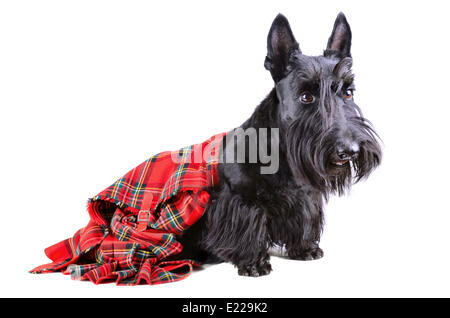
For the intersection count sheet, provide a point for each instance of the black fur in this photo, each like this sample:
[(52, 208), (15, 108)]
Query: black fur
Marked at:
[(324, 147)]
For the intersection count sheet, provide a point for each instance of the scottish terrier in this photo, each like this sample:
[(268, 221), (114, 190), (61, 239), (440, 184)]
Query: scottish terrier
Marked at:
[(323, 144)]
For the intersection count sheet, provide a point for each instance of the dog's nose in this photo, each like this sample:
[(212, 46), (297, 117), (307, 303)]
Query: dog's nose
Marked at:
[(345, 155), (348, 152)]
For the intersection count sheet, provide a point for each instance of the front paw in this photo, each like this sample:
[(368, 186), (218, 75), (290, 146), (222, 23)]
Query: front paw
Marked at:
[(306, 254), (255, 270)]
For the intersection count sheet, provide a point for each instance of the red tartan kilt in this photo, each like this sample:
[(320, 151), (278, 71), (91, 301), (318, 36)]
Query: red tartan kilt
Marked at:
[(134, 222)]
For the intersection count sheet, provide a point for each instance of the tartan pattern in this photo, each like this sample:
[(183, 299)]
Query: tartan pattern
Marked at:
[(129, 257), (111, 248), (72, 249), (183, 211), (160, 177)]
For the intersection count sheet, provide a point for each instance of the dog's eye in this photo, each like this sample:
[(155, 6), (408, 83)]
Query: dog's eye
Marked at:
[(348, 94), (306, 98)]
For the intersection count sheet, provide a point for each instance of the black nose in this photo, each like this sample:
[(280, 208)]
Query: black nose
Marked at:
[(348, 152), (344, 156)]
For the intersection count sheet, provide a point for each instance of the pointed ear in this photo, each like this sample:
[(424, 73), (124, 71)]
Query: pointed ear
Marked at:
[(340, 40), (280, 46)]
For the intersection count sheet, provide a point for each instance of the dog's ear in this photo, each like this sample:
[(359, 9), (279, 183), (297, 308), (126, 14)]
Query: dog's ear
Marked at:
[(340, 40), (280, 46)]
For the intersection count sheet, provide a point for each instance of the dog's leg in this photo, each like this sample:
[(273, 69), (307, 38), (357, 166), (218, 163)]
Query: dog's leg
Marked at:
[(307, 247), (298, 224), (307, 252), (236, 231)]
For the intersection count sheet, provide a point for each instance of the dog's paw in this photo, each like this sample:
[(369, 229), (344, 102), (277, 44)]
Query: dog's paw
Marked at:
[(255, 270), (306, 255)]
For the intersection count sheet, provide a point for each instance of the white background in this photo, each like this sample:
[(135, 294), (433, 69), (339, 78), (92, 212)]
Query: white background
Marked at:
[(90, 89)]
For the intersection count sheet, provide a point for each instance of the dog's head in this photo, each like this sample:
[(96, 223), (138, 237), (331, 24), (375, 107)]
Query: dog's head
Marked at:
[(329, 143)]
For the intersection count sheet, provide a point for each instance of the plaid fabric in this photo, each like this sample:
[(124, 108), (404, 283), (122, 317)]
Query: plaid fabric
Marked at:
[(115, 247)]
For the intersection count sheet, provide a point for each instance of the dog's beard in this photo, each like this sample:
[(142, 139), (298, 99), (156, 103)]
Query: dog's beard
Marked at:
[(369, 156), (311, 155)]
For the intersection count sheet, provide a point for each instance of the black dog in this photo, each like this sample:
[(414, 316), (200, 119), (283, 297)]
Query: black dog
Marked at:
[(323, 144)]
